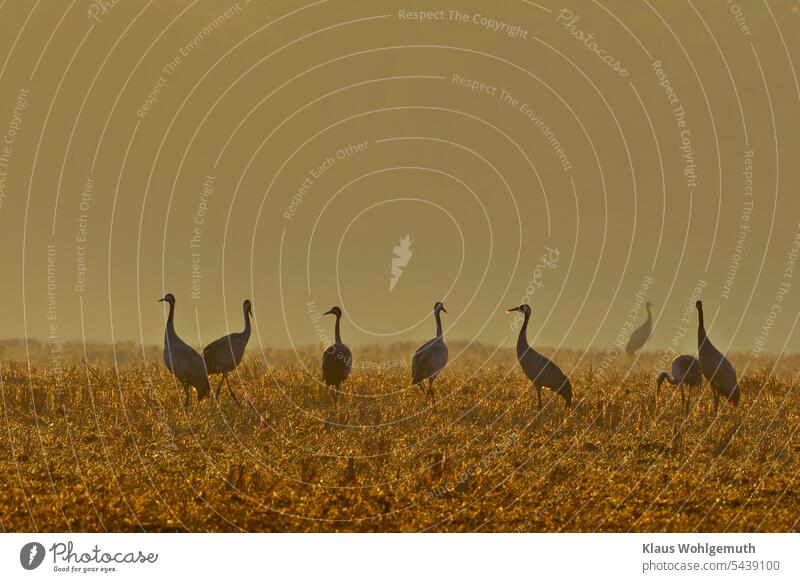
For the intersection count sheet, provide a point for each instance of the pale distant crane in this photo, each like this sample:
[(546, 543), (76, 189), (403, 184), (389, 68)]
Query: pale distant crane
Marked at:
[(223, 355), (642, 334), (182, 360), (716, 368), (431, 357), (539, 369)]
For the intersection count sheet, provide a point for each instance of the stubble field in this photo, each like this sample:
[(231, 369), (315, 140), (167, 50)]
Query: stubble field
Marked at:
[(103, 450)]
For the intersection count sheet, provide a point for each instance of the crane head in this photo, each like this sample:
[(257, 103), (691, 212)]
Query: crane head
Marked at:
[(335, 310), (524, 308), (698, 304), (248, 306), (169, 298), (439, 306)]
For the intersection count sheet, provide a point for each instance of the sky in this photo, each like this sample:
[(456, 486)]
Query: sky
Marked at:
[(382, 158)]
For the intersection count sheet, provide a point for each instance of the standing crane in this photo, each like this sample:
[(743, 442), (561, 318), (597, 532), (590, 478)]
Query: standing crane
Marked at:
[(686, 371), (337, 360), (716, 368), (541, 371), (642, 333), (431, 357), (223, 355), (182, 360)]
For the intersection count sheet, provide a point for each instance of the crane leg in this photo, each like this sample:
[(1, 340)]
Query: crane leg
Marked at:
[(186, 392), (683, 401), (538, 395), (431, 393), (688, 400), (219, 386), (230, 389)]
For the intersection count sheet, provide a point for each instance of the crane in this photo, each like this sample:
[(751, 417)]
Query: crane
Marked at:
[(642, 333), (182, 360), (337, 360), (541, 371), (431, 357), (686, 371), (717, 369), (223, 355)]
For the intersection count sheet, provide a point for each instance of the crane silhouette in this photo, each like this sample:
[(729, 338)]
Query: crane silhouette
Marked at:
[(223, 355), (431, 357), (182, 360), (686, 371), (642, 333), (541, 371), (719, 372), (337, 359)]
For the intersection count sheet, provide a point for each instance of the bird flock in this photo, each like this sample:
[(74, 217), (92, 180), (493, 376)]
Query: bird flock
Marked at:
[(222, 356)]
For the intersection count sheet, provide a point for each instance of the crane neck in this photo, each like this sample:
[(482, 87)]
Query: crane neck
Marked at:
[(337, 330), (522, 340), (701, 328), (665, 376), (171, 321), (438, 315), (247, 328)]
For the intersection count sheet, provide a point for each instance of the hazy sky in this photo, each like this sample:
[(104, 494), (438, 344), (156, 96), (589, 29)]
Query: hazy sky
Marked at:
[(585, 160)]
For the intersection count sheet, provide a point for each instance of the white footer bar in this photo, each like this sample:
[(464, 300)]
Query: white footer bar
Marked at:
[(417, 557)]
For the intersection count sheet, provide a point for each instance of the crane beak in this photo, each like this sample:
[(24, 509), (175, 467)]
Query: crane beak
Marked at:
[(512, 310), (443, 309), (329, 312), (162, 299)]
